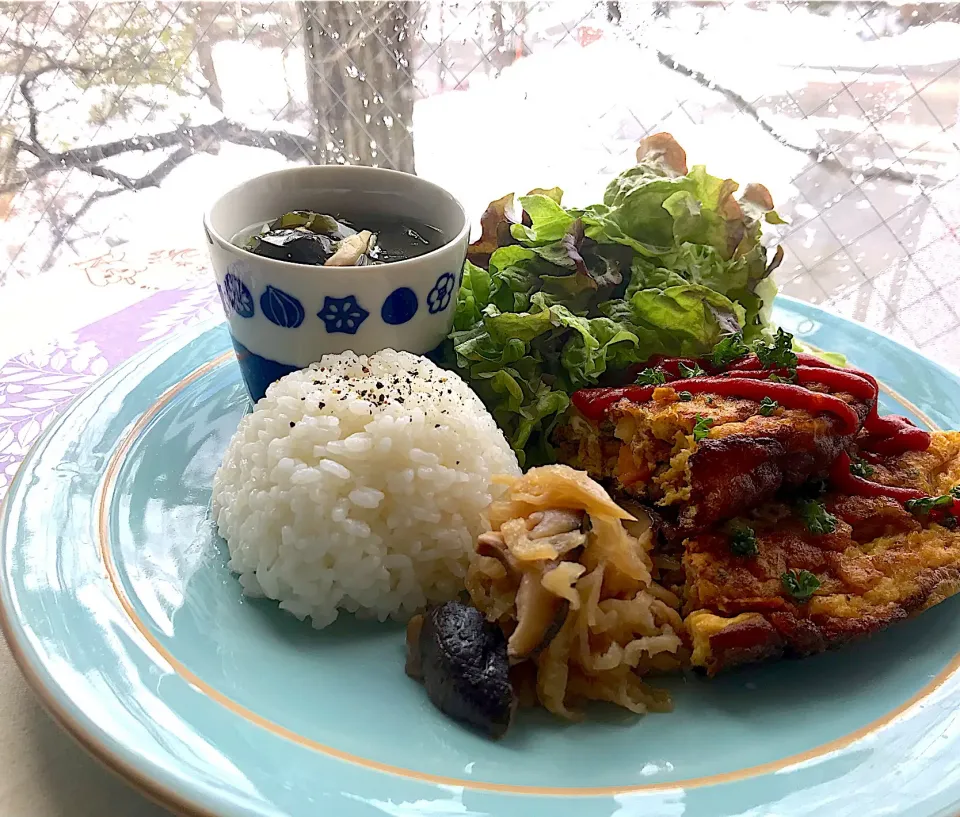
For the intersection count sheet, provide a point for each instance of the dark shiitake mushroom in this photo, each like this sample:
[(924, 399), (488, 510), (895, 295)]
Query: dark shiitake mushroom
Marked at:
[(463, 664)]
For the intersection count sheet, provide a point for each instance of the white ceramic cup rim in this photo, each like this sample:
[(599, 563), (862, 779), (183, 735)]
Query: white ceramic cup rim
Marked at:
[(339, 170)]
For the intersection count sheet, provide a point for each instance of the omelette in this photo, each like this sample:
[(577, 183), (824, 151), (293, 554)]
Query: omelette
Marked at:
[(817, 572), (800, 518), (658, 451)]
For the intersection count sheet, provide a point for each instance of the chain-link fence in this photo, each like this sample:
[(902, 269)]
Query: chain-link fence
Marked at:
[(120, 121)]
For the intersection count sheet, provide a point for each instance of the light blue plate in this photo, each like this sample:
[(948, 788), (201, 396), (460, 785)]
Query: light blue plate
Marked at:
[(118, 605)]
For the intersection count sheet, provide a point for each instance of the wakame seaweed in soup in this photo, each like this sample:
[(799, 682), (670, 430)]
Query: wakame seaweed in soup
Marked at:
[(305, 237)]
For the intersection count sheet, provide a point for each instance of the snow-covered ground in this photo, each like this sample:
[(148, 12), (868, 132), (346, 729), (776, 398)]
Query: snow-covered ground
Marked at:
[(571, 114)]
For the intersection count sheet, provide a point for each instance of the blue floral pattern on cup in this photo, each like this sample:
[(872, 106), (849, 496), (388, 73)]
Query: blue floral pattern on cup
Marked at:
[(399, 307), (282, 309), (342, 314), (440, 295), (237, 295)]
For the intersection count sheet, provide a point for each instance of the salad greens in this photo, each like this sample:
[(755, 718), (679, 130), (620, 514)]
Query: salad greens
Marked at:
[(556, 298)]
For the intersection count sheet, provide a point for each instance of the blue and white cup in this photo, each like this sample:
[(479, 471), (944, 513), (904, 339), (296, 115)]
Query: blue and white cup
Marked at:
[(284, 316)]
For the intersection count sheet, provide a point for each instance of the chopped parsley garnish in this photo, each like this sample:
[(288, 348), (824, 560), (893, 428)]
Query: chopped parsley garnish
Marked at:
[(651, 377), (801, 584), (817, 518), (701, 428), (860, 468), (790, 378), (768, 406), (923, 507), (684, 396), (728, 350), (690, 371), (743, 542), (778, 354)]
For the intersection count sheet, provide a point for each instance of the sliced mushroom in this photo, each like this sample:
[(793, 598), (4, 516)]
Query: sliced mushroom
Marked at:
[(642, 521), (552, 522), (492, 544), (525, 547), (559, 618), (560, 581), (537, 612)]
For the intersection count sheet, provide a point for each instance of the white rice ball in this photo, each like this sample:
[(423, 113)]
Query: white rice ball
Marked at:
[(359, 484)]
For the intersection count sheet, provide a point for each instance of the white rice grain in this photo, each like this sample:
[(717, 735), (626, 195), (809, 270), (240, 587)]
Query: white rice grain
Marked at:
[(359, 484)]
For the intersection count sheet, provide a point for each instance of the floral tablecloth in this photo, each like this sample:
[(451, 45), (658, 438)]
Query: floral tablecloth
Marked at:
[(38, 383), (44, 773)]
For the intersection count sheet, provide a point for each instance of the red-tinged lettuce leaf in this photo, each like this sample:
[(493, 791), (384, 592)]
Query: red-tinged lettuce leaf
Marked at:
[(662, 151), (578, 293), (776, 260), (757, 203), (494, 230), (565, 253)]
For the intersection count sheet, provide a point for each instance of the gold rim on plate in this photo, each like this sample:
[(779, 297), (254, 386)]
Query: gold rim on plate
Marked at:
[(211, 692)]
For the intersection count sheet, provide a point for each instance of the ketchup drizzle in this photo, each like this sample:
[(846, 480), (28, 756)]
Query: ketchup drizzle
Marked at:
[(746, 378)]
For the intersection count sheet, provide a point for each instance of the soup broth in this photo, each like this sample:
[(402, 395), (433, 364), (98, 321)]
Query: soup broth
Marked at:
[(302, 237)]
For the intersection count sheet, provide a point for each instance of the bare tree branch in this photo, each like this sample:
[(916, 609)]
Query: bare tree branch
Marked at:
[(63, 231), (50, 61), (162, 170), (816, 154), (151, 179), (49, 161), (191, 137), (206, 16), (115, 50), (26, 91)]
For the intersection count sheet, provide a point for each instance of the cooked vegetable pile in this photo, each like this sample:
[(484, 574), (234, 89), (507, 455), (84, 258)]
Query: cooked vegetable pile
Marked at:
[(556, 298)]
